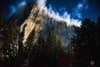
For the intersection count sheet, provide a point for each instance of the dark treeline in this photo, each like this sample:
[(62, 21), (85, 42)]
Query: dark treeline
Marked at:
[(88, 44), (48, 51)]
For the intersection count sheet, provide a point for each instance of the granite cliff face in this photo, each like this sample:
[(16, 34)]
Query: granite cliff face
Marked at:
[(35, 26), (35, 21), (41, 22)]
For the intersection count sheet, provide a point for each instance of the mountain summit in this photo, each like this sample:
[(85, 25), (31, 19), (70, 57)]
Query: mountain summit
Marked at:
[(38, 21)]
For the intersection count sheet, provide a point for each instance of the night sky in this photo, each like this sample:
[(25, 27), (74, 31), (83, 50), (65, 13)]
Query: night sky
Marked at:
[(78, 9)]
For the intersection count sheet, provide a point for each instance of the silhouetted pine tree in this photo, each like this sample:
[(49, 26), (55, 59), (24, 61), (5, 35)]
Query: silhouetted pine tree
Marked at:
[(97, 35), (9, 38), (86, 41)]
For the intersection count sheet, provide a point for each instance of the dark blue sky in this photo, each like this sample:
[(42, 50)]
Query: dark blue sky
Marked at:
[(79, 9)]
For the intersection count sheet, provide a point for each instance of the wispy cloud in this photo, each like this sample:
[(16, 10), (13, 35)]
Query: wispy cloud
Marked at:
[(65, 17), (77, 10)]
